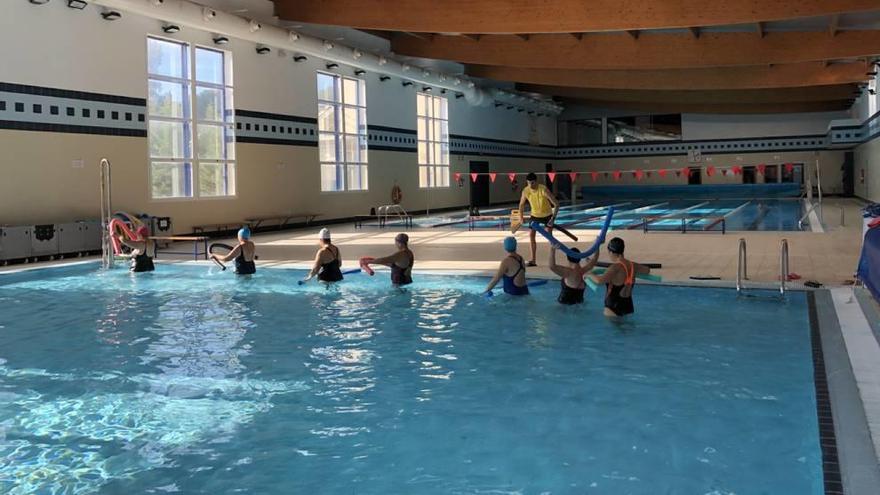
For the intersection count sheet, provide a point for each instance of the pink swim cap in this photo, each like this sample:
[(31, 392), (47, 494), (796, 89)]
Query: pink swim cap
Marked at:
[(142, 231)]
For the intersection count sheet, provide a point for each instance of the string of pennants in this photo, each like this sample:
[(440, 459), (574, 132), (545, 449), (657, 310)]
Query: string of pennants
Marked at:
[(638, 174)]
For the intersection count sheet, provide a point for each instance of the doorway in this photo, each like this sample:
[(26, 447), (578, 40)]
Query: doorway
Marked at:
[(771, 174), (479, 187), (848, 174), (695, 176), (749, 174)]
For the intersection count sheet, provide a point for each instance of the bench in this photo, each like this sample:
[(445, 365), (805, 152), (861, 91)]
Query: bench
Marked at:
[(382, 220), (255, 222), (217, 227), (196, 240)]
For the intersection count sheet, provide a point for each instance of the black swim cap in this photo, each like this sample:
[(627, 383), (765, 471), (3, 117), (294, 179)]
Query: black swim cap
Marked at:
[(616, 245), (532, 176), (574, 260)]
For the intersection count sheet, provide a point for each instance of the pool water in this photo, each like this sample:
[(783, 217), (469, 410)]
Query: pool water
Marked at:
[(190, 380)]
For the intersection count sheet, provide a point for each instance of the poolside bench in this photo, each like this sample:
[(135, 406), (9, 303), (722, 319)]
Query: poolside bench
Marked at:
[(283, 220), (217, 227), (198, 241)]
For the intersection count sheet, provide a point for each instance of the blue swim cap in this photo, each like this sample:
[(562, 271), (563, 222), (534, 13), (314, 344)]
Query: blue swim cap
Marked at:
[(510, 244), (244, 233)]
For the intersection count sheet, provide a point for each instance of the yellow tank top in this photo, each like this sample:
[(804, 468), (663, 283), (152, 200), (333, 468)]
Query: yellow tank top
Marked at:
[(538, 201)]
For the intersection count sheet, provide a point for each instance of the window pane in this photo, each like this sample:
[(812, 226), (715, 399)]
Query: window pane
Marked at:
[(362, 121), (422, 128), (423, 152), (362, 140), (210, 142), (170, 180), (331, 177), (420, 104), (352, 150), (444, 177), (326, 117), (166, 139), (327, 147), (326, 87), (351, 120), (357, 177), (229, 107), (209, 66), (215, 179), (362, 95), (436, 110), (350, 91), (423, 176), (165, 99), (444, 153), (444, 131), (229, 135), (209, 104), (435, 153), (444, 109), (165, 58), (435, 130)]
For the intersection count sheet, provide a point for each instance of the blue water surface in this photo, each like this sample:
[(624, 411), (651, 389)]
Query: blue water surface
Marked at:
[(189, 380)]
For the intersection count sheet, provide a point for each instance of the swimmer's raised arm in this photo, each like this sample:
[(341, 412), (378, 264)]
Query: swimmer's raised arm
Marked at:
[(592, 261), (559, 270)]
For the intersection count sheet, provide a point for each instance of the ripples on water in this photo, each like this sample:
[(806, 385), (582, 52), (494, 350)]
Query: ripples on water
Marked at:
[(192, 381)]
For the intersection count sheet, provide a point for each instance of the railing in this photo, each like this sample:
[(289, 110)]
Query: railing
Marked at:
[(811, 209), (741, 266), (106, 213), (783, 266)]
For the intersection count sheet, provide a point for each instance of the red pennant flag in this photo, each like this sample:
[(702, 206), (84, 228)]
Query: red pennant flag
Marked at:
[(551, 175), (761, 168), (457, 176), (492, 176), (474, 176), (616, 174), (512, 177), (737, 170), (639, 174), (594, 176), (789, 167), (710, 170), (573, 176), (662, 172)]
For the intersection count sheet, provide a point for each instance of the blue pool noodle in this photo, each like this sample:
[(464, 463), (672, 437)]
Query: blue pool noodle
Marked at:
[(568, 252)]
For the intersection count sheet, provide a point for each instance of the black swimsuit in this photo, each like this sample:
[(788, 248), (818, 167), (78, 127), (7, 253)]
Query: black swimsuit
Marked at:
[(402, 276), (243, 266), (330, 271), (570, 295), (619, 304), (510, 286), (142, 262)]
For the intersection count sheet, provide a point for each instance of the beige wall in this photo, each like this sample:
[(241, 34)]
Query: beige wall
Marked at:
[(867, 162)]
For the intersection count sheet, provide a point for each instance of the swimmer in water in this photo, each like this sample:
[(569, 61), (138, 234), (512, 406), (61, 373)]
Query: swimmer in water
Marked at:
[(143, 250), (512, 270), (328, 261), (572, 290), (401, 262), (243, 254), (619, 280)]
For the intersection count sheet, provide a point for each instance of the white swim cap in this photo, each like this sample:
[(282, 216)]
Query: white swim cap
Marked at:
[(324, 234)]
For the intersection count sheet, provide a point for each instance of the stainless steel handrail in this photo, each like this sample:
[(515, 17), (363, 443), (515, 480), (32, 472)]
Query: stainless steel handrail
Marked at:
[(741, 266), (804, 217), (106, 213), (783, 266)]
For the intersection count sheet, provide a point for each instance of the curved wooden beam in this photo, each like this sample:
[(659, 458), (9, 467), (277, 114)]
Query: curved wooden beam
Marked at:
[(612, 51), (746, 96), (552, 16), (747, 77), (723, 108)]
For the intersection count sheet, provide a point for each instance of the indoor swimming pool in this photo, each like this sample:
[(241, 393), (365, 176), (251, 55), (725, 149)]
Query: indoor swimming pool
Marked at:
[(192, 380)]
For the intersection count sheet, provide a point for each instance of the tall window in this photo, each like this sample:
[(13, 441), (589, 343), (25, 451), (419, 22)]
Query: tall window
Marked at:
[(189, 108), (342, 133), (433, 129)]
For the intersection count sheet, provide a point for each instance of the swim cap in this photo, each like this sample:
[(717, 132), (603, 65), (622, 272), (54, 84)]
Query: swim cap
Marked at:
[(324, 234), (510, 244), (574, 260), (616, 245), (402, 238), (244, 233), (532, 176), (142, 231)]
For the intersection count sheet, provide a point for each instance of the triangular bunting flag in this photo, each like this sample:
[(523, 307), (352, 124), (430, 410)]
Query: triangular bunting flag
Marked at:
[(474, 176), (710, 170), (573, 176), (511, 176), (685, 171), (639, 174), (551, 176), (492, 176), (789, 167), (662, 172), (761, 168), (737, 170), (616, 174), (457, 176)]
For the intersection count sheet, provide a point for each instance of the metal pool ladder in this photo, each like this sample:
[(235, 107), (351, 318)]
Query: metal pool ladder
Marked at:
[(106, 214), (783, 266), (742, 267)]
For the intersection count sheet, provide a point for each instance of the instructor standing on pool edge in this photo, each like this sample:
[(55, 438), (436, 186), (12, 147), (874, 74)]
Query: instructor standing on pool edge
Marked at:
[(543, 205)]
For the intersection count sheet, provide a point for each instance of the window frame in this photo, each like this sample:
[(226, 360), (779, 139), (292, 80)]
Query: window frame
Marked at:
[(342, 162), (429, 168)]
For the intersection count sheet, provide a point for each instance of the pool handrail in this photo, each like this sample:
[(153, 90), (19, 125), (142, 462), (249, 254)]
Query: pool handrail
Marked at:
[(107, 255), (741, 266), (783, 266)]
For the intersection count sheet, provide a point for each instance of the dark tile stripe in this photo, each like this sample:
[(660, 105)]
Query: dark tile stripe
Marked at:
[(73, 129), (66, 93), (275, 116), (382, 128), (283, 142), (827, 439)]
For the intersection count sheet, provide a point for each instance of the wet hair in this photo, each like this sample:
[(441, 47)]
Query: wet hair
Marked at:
[(402, 238), (532, 176), (574, 260), (616, 245)]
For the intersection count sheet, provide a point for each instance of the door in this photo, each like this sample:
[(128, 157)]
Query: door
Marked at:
[(563, 185), (796, 175), (771, 174), (749, 174), (847, 171), (480, 187), (695, 176)]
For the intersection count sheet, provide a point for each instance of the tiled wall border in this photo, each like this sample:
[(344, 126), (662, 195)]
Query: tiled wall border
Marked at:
[(36, 108)]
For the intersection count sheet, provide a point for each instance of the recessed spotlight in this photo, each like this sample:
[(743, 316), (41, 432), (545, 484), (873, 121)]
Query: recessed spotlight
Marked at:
[(171, 28), (208, 14), (221, 40), (300, 58), (456, 81), (404, 67), (77, 4), (293, 36), (332, 65), (459, 95), (471, 84), (262, 50), (406, 83), (384, 78), (111, 15), (357, 54), (359, 72), (427, 89), (254, 26), (383, 60)]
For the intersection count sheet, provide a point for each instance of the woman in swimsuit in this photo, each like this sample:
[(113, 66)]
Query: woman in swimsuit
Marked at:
[(572, 290), (619, 280), (401, 262), (143, 250), (243, 254), (512, 270), (327, 260)]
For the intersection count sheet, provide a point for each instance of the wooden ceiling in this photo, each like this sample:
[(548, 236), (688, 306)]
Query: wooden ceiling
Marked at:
[(741, 56)]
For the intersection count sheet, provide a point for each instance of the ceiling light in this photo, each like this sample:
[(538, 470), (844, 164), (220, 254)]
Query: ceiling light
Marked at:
[(456, 81), (171, 28), (427, 89), (254, 26), (208, 14), (357, 54), (111, 15), (384, 78), (39, 2), (328, 46), (262, 50), (221, 40), (471, 84), (300, 58), (406, 83), (404, 67), (293, 36), (383, 60), (77, 4), (332, 65), (426, 73), (359, 72)]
